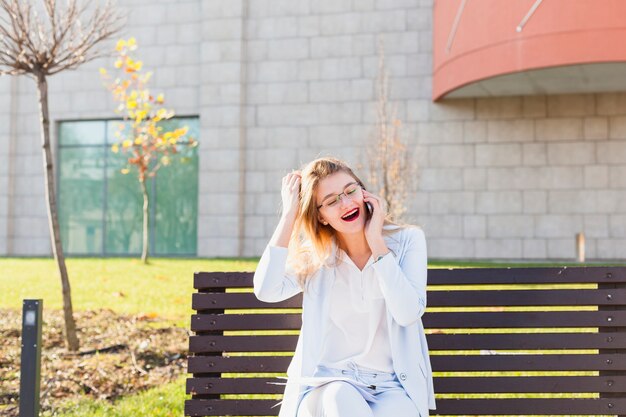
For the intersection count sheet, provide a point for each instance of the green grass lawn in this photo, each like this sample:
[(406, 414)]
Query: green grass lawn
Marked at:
[(124, 285)]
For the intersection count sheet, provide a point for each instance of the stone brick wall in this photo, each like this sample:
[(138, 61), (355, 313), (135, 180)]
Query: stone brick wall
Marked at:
[(280, 82)]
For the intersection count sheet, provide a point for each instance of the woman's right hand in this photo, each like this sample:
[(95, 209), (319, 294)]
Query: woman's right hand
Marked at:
[(290, 193)]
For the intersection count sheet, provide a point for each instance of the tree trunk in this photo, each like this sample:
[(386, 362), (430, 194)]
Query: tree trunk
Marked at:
[(53, 219), (144, 253)]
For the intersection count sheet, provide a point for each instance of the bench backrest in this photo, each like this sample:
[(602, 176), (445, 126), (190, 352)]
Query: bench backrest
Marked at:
[(534, 341)]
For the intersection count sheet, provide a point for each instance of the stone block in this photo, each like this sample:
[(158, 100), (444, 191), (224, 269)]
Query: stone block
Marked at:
[(596, 128), (362, 90), (569, 202), (494, 155), (32, 246), (384, 21), (364, 44), (222, 160), (528, 178), (309, 70), (347, 68), (308, 26), (395, 66), (442, 226), (500, 202), (474, 179), (219, 247), (222, 51), (617, 176), (450, 248), (509, 226), (534, 249), (291, 92), (331, 46), (534, 106), (273, 159), (402, 43), (212, 73), (474, 226), (418, 110), (418, 65), (499, 108), (475, 131), (273, 71), (256, 182), (610, 104), (569, 129), (331, 6), (433, 132), (498, 248), (452, 202), (255, 227), (221, 29), (596, 176), (614, 249), (596, 226), (617, 225), (217, 204), (403, 89), (521, 131), (340, 24), (572, 153), (451, 156), (222, 226), (275, 28), (419, 20), (220, 8), (220, 116), (288, 49), (440, 179), (611, 201), (218, 182), (461, 109), (571, 105), (561, 248), (558, 226), (617, 127), (340, 113), (535, 202), (426, 41), (291, 115), (534, 154), (611, 152)]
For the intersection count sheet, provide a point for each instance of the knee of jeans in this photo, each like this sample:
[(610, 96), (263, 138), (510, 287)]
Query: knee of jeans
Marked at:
[(340, 392)]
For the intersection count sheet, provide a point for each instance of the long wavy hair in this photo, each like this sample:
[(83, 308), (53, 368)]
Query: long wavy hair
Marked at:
[(311, 243)]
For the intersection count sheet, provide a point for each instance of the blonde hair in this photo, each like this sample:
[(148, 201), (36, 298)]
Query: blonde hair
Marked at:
[(311, 243)]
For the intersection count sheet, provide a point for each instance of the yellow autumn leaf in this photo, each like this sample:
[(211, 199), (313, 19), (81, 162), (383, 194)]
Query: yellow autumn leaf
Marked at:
[(131, 104), (132, 44), (115, 148), (118, 64), (103, 71), (124, 171), (120, 45), (138, 141), (127, 143), (160, 99), (138, 65)]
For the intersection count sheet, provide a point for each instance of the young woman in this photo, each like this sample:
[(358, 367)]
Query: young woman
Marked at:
[(362, 350)]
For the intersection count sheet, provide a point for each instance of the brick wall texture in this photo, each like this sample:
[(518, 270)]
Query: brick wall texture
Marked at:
[(278, 82)]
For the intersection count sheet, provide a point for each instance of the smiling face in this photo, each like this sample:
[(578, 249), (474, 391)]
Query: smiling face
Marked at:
[(346, 215)]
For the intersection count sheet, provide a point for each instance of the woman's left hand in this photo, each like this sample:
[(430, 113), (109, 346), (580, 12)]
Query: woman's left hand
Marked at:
[(374, 226)]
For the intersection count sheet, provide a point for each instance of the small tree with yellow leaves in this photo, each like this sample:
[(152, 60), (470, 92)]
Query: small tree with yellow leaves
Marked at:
[(148, 146)]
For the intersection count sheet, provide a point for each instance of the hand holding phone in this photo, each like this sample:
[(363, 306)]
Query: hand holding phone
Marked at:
[(370, 209)]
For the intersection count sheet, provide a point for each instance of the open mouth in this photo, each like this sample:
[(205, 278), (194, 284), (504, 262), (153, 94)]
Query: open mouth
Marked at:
[(351, 216)]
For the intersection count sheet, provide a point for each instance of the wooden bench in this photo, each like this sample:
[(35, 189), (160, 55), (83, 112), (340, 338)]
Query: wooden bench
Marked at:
[(515, 341)]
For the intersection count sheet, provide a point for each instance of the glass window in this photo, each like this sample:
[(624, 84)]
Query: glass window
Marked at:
[(100, 209)]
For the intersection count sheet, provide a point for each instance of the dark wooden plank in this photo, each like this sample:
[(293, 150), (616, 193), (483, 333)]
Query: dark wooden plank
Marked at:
[(237, 364), (204, 344), (440, 363), (479, 298), (564, 275), (520, 406), (205, 281), (525, 341), (447, 385), (206, 301), (438, 320)]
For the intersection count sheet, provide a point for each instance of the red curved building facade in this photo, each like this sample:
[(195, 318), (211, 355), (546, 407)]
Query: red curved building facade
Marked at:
[(513, 47)]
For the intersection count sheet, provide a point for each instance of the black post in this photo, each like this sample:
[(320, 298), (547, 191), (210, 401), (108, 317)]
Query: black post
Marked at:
[(30, 366)]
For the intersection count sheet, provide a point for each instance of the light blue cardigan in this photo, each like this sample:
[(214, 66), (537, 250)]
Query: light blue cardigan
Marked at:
[(402, 280)]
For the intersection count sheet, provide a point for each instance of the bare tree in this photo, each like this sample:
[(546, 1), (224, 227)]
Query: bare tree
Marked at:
[(40, 42), (391, 173)]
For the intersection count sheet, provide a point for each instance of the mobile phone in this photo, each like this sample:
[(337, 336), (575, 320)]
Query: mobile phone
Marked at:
[(369, 208)]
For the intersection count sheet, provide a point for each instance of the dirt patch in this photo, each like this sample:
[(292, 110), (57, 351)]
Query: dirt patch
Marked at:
[(119, 355)]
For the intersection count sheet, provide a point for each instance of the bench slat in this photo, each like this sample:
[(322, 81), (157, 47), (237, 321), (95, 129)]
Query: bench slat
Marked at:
[(204, 281), (440, 363), (480, 298), (439, 320), (448, 385), (492, 406)]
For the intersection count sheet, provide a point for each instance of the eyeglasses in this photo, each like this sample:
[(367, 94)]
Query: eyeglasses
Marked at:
[(349, 192)]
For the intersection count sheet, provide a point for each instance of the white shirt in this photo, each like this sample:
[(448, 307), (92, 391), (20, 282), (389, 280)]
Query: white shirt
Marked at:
[(357, 328)]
